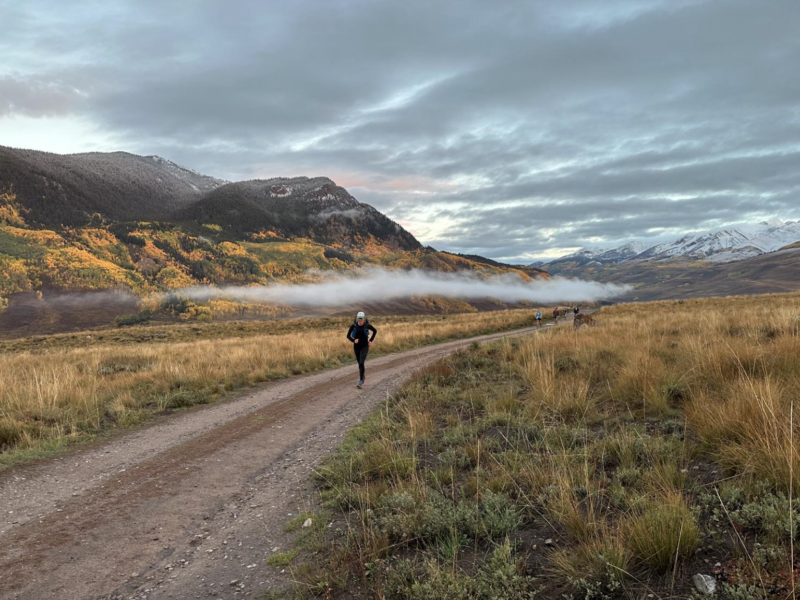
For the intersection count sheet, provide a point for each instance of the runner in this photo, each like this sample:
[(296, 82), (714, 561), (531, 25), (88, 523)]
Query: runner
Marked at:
[(359, 335), (555, 315), (539, 318), (575, 310)]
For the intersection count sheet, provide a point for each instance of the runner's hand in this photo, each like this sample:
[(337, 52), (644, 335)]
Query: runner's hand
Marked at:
[(356, 341), (370, 343)]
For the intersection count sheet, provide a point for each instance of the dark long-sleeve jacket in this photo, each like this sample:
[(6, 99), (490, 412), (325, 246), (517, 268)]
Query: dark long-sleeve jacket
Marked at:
[(361, 333)]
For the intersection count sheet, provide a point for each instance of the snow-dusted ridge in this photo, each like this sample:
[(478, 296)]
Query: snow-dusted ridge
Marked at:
[(196, 180), (725, 245)]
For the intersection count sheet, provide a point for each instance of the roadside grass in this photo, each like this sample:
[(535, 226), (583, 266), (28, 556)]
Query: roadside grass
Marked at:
[(282, 559), (609, 462), (64, 396), (192, 332)]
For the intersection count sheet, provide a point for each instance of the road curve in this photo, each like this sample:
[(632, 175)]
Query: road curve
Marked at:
[(192, 506)]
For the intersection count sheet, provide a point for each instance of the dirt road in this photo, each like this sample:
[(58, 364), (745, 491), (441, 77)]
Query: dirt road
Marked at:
[(192, 506)]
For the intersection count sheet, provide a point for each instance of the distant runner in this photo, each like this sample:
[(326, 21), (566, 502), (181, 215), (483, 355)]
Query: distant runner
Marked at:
[(539, 318), (576, 310), (555, 315), (359, 335)]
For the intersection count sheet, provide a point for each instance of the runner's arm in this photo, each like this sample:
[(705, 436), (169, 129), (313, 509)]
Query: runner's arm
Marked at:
[(349, 331), (373, 330)]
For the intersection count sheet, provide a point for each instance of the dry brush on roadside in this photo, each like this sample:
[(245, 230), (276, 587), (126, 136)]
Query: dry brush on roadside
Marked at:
[(608, 462), (58, 396)]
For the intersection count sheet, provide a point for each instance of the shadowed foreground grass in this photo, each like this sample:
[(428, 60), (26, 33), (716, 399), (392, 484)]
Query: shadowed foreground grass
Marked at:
[(62, 396), (609, 462)]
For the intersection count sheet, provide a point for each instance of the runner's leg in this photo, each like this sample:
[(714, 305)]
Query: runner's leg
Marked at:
[(357, 352), (362, 359)]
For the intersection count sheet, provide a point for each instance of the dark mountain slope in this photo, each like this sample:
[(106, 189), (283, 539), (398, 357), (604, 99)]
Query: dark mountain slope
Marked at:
[(57, 190), (315, 208)]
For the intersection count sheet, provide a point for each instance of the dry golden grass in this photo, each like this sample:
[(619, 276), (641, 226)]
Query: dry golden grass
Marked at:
[(730, 367), (648, 448), (665, 533), (74, 392)]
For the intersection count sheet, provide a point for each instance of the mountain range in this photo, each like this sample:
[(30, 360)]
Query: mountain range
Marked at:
[(753, 259), (723, 246), (76, 190), (143, 224)]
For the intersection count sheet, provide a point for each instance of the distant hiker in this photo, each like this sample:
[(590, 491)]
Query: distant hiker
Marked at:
[(359, 335), (539, 318), (575, 310), (555, 315), (563, 312)]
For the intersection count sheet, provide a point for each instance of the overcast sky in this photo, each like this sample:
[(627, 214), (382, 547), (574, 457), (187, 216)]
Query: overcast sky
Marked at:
[(510, 129)]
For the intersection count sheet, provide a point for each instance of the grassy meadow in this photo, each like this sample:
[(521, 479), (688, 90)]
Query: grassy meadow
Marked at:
[(56, 390), (615, 461)]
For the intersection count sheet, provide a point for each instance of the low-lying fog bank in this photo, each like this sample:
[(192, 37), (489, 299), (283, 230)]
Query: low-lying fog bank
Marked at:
[(376, 285)]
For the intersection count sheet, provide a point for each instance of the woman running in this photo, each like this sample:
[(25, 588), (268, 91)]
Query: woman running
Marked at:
[(359, 335)]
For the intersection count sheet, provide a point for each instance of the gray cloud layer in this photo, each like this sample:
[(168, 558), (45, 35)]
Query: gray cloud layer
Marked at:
[(507, 129)]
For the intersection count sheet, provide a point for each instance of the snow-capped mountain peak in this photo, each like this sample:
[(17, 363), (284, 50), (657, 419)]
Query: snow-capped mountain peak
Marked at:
[(626, 251), (725, 245)]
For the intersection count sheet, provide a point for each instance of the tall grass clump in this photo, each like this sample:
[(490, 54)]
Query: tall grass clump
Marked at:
[(664, 533)]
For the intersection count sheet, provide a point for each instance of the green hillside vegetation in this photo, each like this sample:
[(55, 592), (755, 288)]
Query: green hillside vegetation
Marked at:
[(614, 461), (148, 257)]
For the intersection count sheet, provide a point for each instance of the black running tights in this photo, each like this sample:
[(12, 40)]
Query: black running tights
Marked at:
[(361, 357)]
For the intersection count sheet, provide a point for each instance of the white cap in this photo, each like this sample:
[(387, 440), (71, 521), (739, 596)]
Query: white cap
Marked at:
[(360, 315)]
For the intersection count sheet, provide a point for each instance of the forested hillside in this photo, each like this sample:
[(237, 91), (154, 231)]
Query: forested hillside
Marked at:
[(144, 224)]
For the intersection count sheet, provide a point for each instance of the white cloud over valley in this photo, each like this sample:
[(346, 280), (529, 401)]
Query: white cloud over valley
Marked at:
[(381, 285)]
